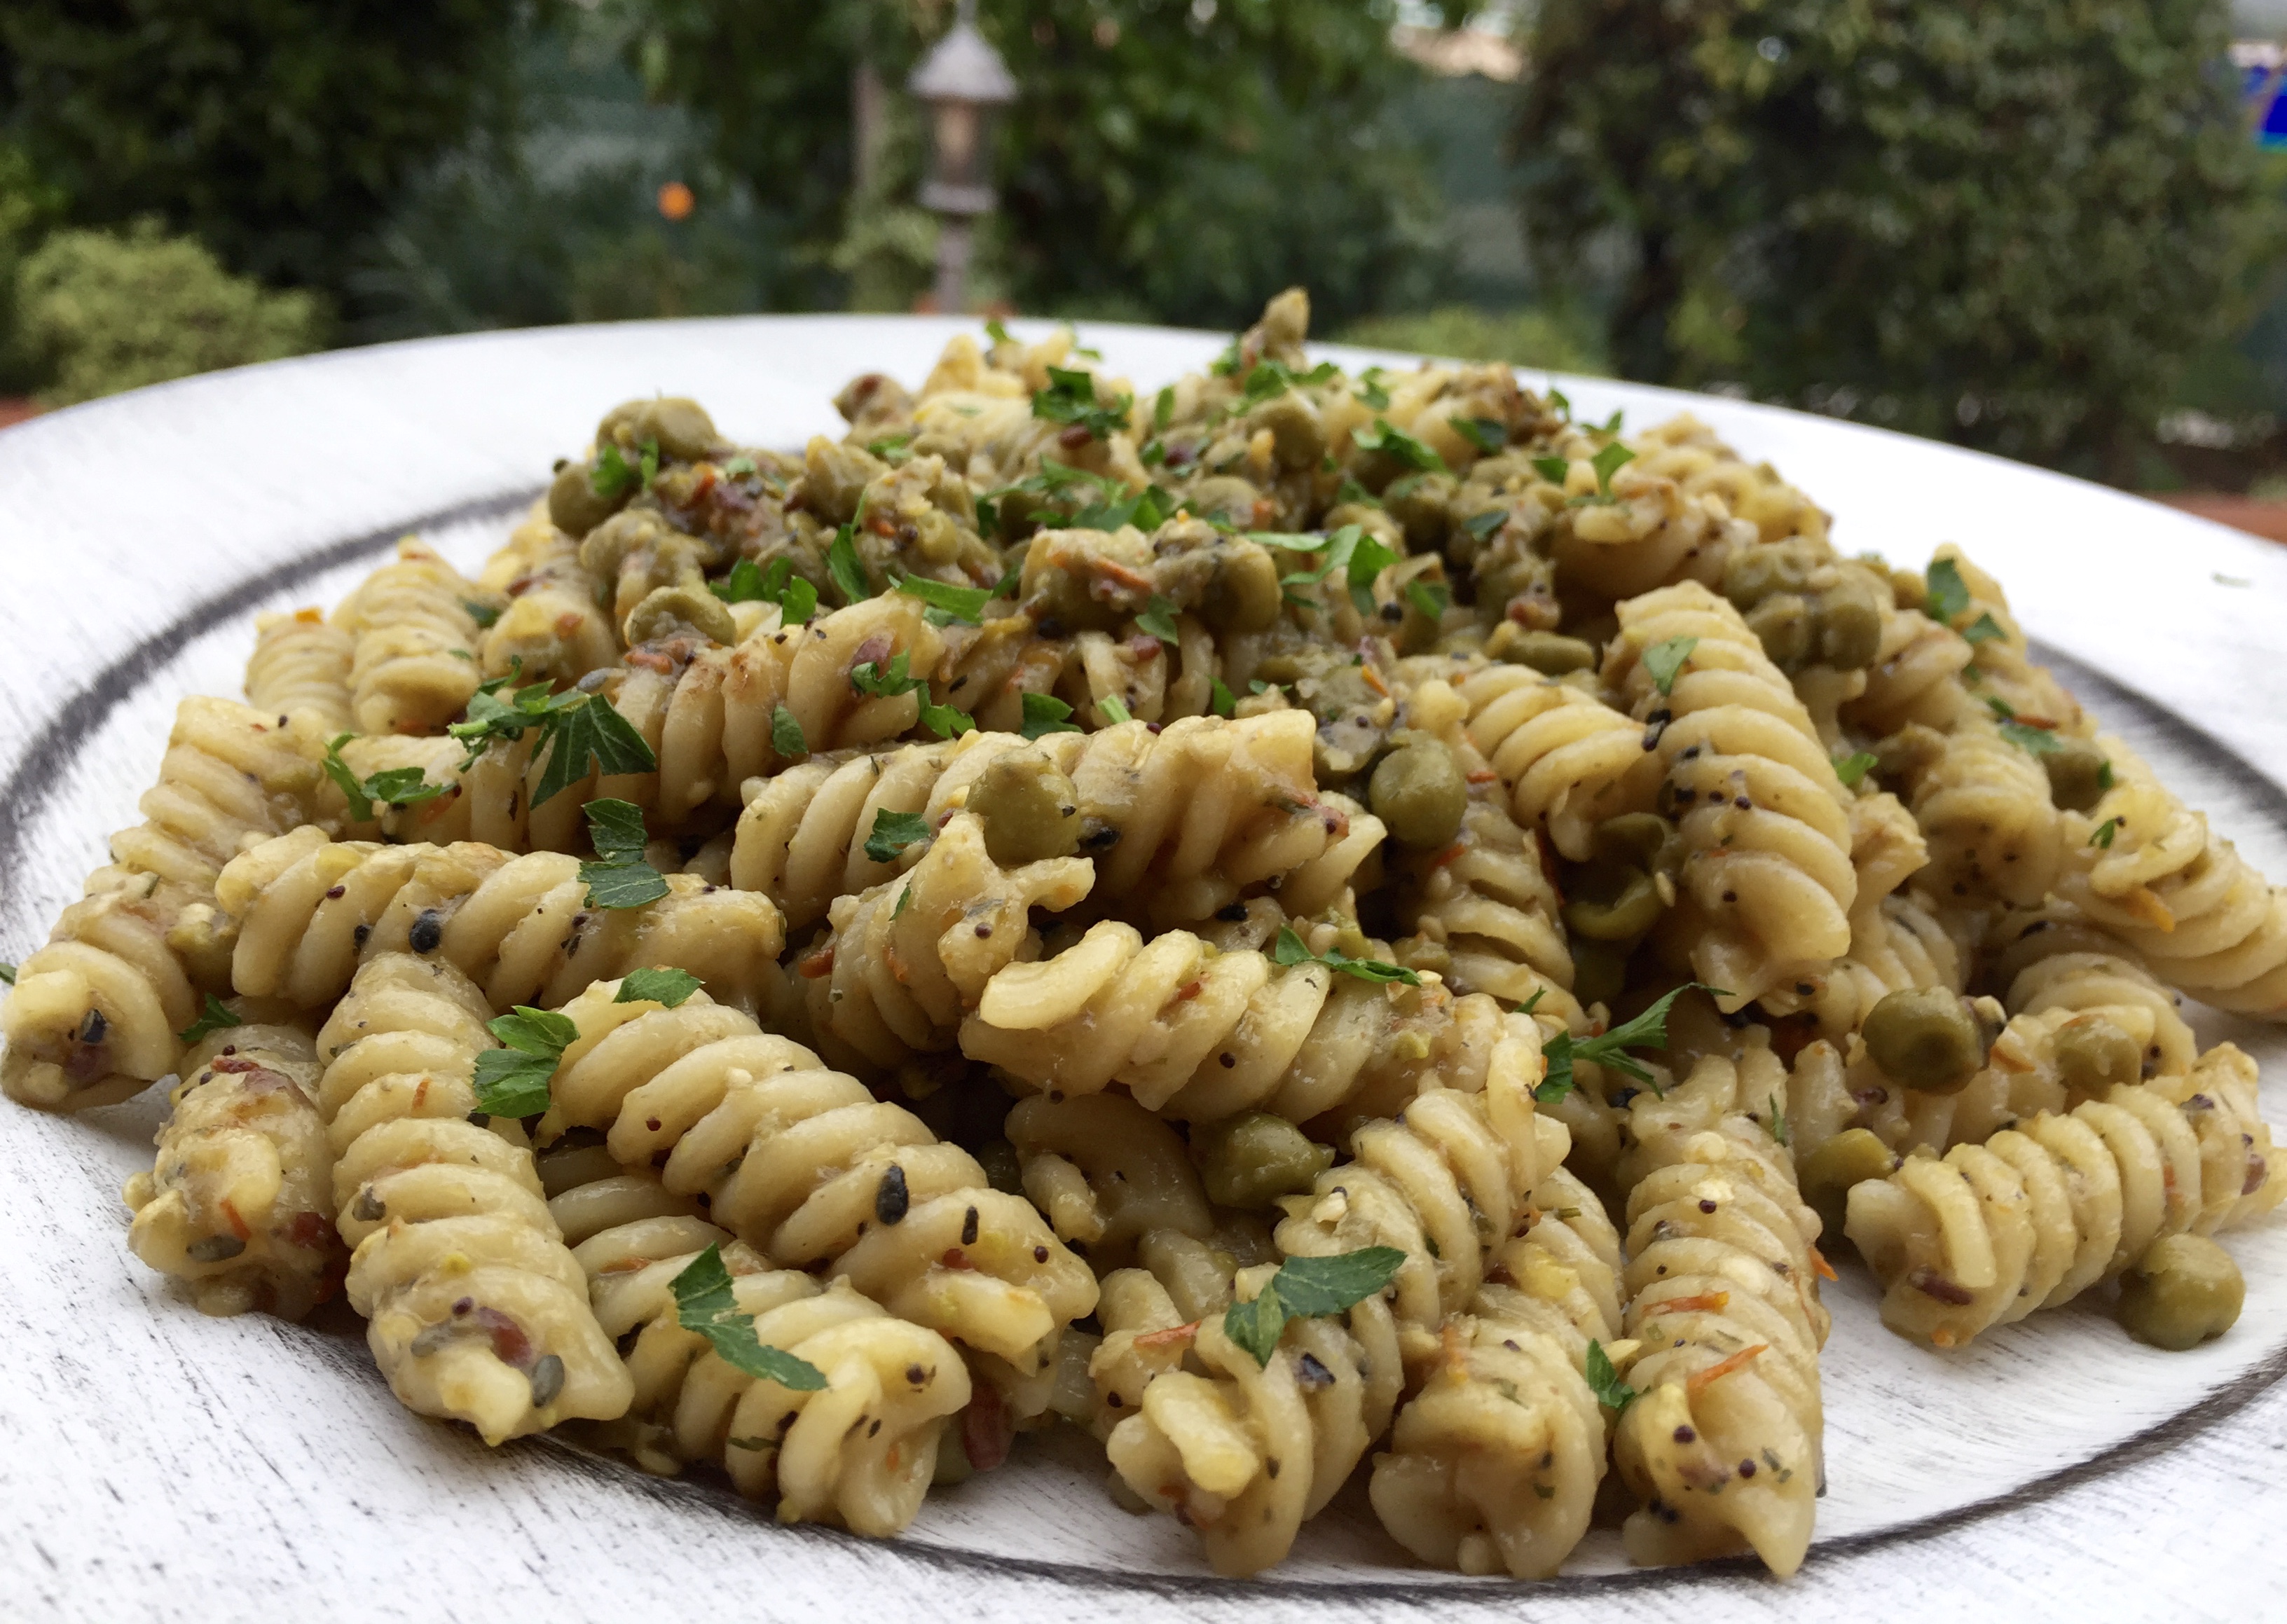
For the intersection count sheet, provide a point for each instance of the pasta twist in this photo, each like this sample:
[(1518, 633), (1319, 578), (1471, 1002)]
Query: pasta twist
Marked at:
[(1493, 1465), (554, 627), (1982, 805), (1192, 815), (1570, 760), (1445, 1182), (1770, 875), (805, 1166), (1900, 946), (489, 800), (1199, 1036), (1916, 676), (301, 663), (907, 959), (414, 665), (93, 1016), (476, 1310), (309, 910), (1106, 1173), (2178, 893), (859, 1452), (1722, 1444), (1487, 899), (1243, 1452), (236, 1202), (2039, 1213)]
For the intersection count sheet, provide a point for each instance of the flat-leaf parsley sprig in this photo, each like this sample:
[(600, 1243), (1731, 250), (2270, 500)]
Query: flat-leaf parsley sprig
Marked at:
[(1648, 1030), (578, 732), (1290, 950), (1308, 1288)]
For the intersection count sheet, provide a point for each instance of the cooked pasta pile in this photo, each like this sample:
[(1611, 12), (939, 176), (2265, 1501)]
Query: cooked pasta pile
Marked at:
[(1307, 925)]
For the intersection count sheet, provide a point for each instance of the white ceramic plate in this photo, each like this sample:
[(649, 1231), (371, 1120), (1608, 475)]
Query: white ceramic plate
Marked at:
[(156, 1461)]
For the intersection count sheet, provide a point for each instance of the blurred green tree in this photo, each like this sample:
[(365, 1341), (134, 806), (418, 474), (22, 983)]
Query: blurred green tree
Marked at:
[(277, 131), (1170, 160), (2005, 225)]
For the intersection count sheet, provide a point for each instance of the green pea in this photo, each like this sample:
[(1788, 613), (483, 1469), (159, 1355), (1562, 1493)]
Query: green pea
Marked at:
[(1827, 1172), (677, 611), (1251, 1159), (1029, 810), (1849, 626), (2092, 1053), (1764, 570), (1298, 435), (1630, 905), (1420, 793), (1227, 497), (1548, 652), (1600, 970), (1244, 594), (2076, 770), (1423, 504), (573, 507), (1646, 840), (1783, 622), (1925, 1039), (2182, 1291), (681, 426)]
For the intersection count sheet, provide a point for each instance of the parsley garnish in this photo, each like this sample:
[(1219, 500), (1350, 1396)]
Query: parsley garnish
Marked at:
[(1307, 1288), (398, 787), (739, 467), (1555, 470), (1370, 389), (747, 584), (1398, 445), (879, 682), (1779, 1128), (1045, 713), (842, 562), (656, 986), (1607, 462), (1430, 598), (1853, 767), (612, 475), (786, 734), (8, 973), (512, 1080), (1649, 1030), (1483, 433), (894, 448), (1985, 629), (484, 615), (2027, 736), (577, 730), (893, 832), (946, 604), (1949, 594), (1352, 550), (1666, 662), (1070, 398), (1158, 619), (1289, 950), (2105, 831), (997, 333), (214, 1017), (1483, 525), (1563, 406), (1113, 711), (1221, 700), (618, 877), (1614, 1394), (947, 721), (1147, 510), (704, 1302), (1163, 409)]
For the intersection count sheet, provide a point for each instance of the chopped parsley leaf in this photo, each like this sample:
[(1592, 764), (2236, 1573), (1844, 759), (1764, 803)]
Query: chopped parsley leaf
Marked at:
[(1397, 445), (1854, 766), (484, 615), (1429, 597), (704, 1302), (1113, 711), (1948, 593), (1985, 629), (1070, 398), (797, 598), (876, 681), (2105, 831), (1158, 619), (893, 832), (396, 787), (1307, 1288), (1289, 950), (1648, 1030), (1614, 1394), (618, 877), (947, 721), (1666, 662), (1045, 713), (1221, 700), (1555, 470), (658, 985), (512, 1080), (842, 562), (965, 604), (214, 1017), (786, 734), (1483, 433)]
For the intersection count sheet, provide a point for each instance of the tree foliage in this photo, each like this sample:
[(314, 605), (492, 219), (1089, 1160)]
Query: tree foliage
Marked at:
[(1998, 223), (277, 131), (1166, 158)]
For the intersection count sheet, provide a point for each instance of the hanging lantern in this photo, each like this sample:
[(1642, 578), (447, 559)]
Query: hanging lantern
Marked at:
[(964, 83)]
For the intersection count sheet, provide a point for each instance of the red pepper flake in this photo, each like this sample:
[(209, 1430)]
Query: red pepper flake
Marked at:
[(1699, 1380), (955, 1258), (1173, 1336), (1190, 990), (1706, 1302), (310, 1231), (1120, 575), (567, 623), (1450, 854), (651, 659), (1485, 775), (237, 1225), (234, 1063), (1825, 1269), (817, 964)]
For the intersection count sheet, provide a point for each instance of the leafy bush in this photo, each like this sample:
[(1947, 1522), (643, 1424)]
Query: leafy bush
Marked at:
[(105, 312), (1549, 340), (2003, 224)]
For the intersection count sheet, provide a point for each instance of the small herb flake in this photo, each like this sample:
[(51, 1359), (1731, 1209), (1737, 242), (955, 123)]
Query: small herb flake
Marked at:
[(618, 877), (876, 681), (1948, 592), (214, 1017), (1614, 1394), (659, 985), (1308, 1288), (893, 832), (1854, 766), (786, 735), (842, 562), (1045, 713), (512, 1080), (1483, 433), (1648, 1030), (1397, 445), (1221, 700), (1780, 1131), (1429, 597), (1159, 620), (1113, 711), (1289, 951), (484, 615), (1985, 629), (1070, 399), (1665, 661), (2105, 831)]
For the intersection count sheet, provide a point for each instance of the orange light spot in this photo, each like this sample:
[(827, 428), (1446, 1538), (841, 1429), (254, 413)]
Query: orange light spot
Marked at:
[(652, 659), (675, 201), (1699, 1380)]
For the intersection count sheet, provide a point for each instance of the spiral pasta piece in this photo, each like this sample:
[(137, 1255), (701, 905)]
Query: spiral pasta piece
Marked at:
[(1982, 805), (2153, 874), (1723, 1444), (1445, 1182), (1243, 1452), (93, 1015), (1770, 875), (1106, 1173), (804, 1165), (415, 664), (238, 1200), (1493, 1465), (858, 1453), (1199, 1034), (554, 627), (1570, 760), (311, 909), (476, 1310), (909, 958), (301, 663), (2039, 1213), (489, 799), (1916, 676)]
